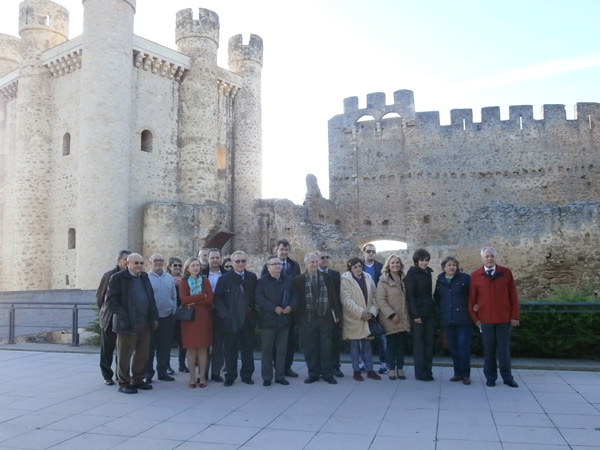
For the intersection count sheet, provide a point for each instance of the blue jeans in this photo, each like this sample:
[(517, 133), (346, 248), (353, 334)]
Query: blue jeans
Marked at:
[(496, 340), (459, 342), (360, 349), (382, 343)]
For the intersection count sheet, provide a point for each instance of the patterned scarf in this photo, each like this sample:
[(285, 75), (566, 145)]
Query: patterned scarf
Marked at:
[(195, 286), (322, 303)]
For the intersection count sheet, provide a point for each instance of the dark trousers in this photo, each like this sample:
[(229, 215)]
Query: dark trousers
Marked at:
[(423, 339), (160, 345), (336, 344), (273, 341), (181, 352), (496, 340), (382, 344), (459, 343), (289, 355), (396, 344), (132, 354), (242, 342), (316, 339), (108, 343), (217, 350)]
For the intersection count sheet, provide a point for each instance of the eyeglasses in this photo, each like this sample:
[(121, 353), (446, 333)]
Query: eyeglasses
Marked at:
[(324, 257), (176, 265), (158, 260), (370, 251), (275, 264), (240, 261), (357, 266), (227, 267), (138, 263)]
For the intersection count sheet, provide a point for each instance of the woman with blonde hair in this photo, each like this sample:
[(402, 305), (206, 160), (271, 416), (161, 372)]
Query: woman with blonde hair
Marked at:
[(358, 299), (196, 334), (394, 314)]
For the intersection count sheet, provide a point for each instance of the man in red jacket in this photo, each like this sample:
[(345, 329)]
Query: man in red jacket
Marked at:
[(494, 307)]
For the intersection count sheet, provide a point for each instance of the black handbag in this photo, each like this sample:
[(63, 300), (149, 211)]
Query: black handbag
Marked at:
[(375, 327), (184, 313)]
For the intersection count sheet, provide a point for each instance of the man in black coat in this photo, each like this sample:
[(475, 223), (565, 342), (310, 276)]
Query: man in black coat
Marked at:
[(236, 308), (108, 338), (130, 298), (314, 295)]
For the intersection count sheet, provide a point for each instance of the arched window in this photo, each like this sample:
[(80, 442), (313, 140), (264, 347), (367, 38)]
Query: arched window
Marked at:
[(66, 149), (146, 141), (71, 239)]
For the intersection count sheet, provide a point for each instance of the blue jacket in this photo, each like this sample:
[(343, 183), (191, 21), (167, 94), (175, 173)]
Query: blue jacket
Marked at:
[(453, 299)]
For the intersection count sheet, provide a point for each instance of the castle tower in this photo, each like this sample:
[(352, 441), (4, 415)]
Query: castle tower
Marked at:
[(199, 39), (247, 61), (27, 234), (105, 135), (10, 56)]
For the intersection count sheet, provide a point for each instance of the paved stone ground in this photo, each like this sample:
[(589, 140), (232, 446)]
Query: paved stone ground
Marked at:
[(52, 397)]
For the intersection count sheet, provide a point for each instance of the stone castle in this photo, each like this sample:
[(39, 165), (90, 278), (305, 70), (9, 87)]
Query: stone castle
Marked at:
[(111, 141)]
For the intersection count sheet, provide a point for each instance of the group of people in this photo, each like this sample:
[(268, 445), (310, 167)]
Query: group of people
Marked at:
[(370, 302)]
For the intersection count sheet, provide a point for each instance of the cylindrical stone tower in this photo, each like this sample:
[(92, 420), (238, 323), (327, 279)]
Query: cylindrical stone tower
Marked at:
[(106, 136), (27, 232), (247, 61), (10, 53), (199, 39)]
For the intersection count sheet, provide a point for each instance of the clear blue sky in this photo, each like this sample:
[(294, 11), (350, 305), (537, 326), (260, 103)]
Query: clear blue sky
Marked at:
[(452, 54)]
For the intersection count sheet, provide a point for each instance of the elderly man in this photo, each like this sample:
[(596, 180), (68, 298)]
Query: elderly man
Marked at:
[(494, 306), (130, 298), (108, 338), (203, 257), (273, 296), (213, 272), (165, 296), (236, 308), (314, 295)]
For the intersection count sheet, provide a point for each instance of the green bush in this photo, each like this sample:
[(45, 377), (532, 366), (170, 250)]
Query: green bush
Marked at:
[(567, 328), (94, 327)]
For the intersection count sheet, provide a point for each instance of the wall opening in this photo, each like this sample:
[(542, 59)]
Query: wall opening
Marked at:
[(387, 245), (146, 141), (71, 239), (221, 158), (66, 145)]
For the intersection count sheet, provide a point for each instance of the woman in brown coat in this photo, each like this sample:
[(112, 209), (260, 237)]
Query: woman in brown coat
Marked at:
[(394, 314), (196, 335)]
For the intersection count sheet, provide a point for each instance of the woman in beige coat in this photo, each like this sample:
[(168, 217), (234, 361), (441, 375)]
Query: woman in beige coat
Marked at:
[(394, 314), (358, 298)]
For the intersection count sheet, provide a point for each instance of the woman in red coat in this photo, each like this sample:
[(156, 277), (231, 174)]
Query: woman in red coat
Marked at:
[(196, 335)]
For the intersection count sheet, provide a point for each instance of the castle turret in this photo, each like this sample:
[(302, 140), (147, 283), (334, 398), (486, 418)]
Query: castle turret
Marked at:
[(247, 61), (10, 53), (199, 39), (27, 233), (105, 136)]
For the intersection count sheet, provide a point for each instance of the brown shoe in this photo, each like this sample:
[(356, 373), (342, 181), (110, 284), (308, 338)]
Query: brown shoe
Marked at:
[(357, 376), (373, 375), (466, 380), (456, 378)]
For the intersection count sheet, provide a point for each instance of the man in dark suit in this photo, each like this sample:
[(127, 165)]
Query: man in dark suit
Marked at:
[(373, 268), (235, 302), (108, 338), (290, 268), (336, 333), (314, 295)]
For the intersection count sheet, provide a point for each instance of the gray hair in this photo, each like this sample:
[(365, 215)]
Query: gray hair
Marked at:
[(492, 249), (308, 255)]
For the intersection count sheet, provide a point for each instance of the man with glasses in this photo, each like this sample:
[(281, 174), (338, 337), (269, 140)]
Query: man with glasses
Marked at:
[(108, 338), (165, 296), (373, 268), (336, 332), (130, 298), (236, 308)]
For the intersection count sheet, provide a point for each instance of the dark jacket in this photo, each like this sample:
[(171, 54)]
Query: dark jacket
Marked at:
[(418, 284), (118, 298), (105, 314), (452, 299), (299, 297), (270, 293), (235, 300), (292, 269)]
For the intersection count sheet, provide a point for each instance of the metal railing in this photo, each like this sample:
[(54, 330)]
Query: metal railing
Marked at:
[(75, 308)]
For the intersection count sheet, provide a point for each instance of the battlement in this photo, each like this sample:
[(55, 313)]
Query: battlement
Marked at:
[(253, 51), (520, 115), (206, 27), (10, 56), (43, 15)]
